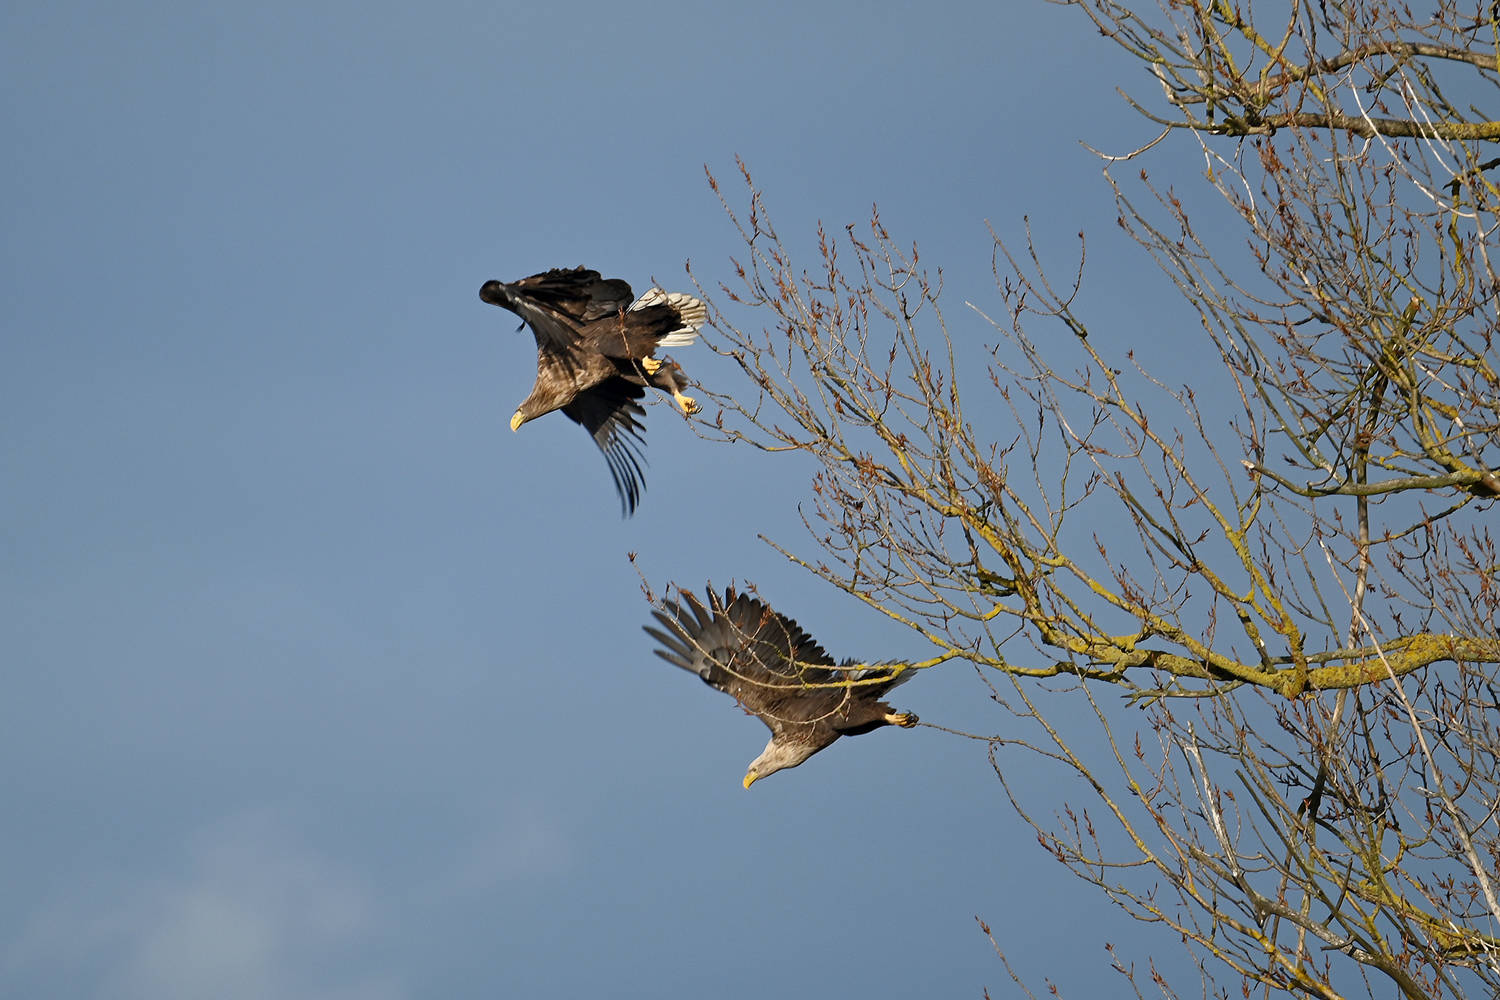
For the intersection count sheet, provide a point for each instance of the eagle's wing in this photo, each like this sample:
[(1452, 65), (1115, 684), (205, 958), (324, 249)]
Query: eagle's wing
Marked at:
[(610, 413), (606, 297), (580, 293), (745, 649), (556, 303), (553, 333)]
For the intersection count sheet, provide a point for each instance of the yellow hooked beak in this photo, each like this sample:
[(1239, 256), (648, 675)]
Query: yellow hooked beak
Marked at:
[(750, 778), (516, 421)]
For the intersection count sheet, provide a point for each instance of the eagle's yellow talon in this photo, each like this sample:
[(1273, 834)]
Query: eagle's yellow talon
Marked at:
[(903, 719), (651, 365), (688, 403)]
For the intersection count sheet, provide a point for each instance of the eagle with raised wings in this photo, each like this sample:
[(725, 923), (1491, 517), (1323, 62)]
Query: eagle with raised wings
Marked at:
[(596, 347), (777, 673)]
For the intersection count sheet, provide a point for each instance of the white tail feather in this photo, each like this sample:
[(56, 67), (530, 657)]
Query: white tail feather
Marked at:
[(693, 312)]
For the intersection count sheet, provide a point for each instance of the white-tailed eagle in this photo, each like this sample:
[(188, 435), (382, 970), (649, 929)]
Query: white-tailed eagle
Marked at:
[(777, 673), (596, 349)]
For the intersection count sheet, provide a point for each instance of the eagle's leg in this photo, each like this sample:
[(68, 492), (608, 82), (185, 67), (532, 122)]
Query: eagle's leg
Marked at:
[(903, 719), (668, 376)]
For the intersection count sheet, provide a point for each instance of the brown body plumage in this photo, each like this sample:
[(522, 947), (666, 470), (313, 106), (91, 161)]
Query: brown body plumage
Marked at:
[(777, 673), (596, 350)]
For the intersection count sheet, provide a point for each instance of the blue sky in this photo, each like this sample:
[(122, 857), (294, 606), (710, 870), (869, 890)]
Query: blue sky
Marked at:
[(318, 682)]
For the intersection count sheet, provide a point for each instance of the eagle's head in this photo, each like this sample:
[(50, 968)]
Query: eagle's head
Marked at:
[(778, 756)]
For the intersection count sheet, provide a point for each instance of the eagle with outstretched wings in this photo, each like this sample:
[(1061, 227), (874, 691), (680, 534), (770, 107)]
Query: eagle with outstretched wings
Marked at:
[(596, 347), (777, 673)]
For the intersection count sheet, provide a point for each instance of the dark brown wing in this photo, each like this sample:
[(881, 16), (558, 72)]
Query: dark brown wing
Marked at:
[(610, 413), (558, 303), (767, 663), (745, 649), (581, 294)]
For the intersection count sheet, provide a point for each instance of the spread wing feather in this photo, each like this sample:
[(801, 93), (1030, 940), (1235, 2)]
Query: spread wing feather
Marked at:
[(552, 333), (580, 293), (558, 301), (610, 413), (761, 658)]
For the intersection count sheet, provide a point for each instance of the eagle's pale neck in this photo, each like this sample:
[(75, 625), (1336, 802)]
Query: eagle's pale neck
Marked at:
[(778, 756)]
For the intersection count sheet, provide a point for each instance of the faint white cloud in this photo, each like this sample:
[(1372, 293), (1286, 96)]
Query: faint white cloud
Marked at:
[(255, 918)]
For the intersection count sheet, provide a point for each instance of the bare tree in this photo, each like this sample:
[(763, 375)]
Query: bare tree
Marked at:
[(1301, 610)]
